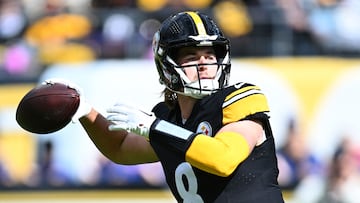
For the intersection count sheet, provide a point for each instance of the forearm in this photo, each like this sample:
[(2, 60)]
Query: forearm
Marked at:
[(219, 155), (107, 142), (119, 146)]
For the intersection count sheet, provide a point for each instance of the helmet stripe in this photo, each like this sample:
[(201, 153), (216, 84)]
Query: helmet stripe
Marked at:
[(198, 23)]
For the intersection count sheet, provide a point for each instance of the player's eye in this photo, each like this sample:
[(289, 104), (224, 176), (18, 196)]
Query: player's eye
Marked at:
[(189, 58), (211, 57)]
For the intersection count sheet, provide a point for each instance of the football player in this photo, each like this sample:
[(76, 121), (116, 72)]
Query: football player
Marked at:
[(213, 139)]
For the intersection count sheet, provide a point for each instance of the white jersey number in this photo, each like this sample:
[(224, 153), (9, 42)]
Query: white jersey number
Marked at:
[(184, 170)]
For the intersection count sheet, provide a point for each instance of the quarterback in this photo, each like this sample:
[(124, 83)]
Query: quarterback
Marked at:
[(214, 140)]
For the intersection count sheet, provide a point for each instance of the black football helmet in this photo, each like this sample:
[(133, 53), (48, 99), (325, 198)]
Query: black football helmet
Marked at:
[(190, 29)]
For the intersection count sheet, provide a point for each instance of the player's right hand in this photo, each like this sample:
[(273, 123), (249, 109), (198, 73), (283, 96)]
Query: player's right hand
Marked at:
[(130, 118), (84, 107)]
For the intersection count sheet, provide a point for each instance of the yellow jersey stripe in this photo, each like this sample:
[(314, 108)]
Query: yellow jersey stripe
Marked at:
[(241, 90), (240, 96), (244, 102), (198, 23)]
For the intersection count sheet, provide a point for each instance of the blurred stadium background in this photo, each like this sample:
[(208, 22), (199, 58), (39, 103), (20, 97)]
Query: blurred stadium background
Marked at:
[(305, 55)]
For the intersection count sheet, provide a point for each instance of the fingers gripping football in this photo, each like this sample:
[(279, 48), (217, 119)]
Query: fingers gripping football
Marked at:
[(130, 118), (84, 107)]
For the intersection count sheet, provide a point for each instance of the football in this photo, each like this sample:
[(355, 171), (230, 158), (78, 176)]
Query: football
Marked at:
[(47, 108)]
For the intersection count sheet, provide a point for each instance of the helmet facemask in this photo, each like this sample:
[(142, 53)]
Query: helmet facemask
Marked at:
[(199, 88)]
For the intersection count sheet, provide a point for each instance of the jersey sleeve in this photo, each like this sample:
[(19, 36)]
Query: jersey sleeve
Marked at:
[(243, 102)]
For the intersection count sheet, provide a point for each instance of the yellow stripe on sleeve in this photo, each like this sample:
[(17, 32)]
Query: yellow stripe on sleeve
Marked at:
[(243, 102), (219, 155)]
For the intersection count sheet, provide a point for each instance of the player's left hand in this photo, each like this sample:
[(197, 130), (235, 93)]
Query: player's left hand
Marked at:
[(84, 107), (130, 118)]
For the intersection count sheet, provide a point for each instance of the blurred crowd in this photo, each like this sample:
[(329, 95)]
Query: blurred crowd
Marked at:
[(311, 180), (37, 33)]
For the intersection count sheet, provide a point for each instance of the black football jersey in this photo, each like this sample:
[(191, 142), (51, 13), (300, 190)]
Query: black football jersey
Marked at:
[(253, 181)]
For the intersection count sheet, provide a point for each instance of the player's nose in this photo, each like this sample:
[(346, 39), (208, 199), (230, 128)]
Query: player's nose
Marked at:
[(202, 61)]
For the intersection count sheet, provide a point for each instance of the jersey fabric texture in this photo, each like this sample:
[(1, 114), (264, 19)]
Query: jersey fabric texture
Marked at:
[(253, 181)]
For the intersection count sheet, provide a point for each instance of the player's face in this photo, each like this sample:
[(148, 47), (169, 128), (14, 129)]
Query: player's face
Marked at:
[(200, 57)]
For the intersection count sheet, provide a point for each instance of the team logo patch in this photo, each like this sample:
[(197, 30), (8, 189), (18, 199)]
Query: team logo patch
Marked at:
[(204, 128)]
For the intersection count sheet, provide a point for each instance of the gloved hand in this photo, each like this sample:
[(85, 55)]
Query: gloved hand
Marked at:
[(130, 118), (84, 107)]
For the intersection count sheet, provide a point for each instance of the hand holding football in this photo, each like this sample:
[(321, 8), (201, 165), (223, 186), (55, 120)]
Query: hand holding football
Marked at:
[(47, 108)]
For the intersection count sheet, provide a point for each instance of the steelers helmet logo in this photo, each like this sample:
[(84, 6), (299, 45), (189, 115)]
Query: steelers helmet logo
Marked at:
[(204, 128)]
